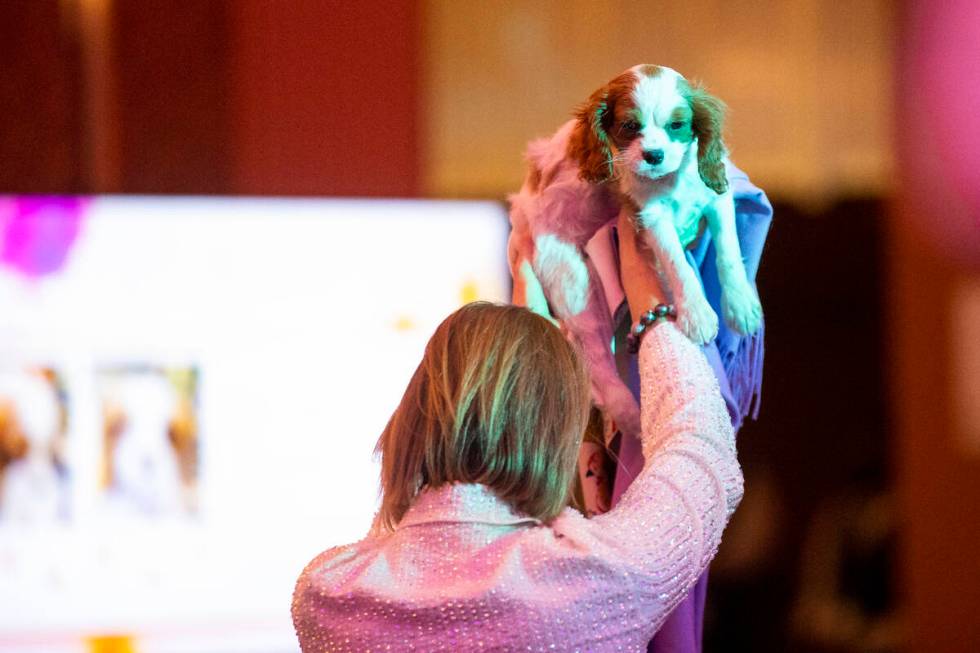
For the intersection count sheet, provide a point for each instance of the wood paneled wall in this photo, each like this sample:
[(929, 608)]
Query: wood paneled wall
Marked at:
[(40, 130), (303, 97), (325, 97)]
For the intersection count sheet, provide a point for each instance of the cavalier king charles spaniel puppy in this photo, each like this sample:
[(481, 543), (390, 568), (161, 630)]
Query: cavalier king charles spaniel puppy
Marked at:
[(647, 144)]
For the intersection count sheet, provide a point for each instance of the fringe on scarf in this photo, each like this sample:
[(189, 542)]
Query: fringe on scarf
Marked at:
[(743, 367)]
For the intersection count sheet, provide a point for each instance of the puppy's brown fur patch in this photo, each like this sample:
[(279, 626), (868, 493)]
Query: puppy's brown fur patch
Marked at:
[(590, 143)]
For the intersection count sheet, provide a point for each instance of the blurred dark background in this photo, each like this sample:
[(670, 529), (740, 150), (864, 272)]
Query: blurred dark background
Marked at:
[(858, 528)]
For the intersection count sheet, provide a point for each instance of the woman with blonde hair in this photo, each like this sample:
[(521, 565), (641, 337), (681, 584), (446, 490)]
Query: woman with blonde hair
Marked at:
[(474, 547)]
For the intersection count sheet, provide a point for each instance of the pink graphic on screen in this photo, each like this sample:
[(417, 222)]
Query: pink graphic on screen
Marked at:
[(37, 233)]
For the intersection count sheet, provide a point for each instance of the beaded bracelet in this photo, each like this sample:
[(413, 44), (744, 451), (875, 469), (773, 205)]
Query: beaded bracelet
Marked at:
[(659, 312)]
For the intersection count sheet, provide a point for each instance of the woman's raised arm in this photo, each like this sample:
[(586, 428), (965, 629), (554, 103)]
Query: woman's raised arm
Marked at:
[(668, 524)]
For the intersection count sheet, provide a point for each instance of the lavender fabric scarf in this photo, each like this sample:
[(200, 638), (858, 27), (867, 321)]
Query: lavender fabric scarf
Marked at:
[(737, 362)]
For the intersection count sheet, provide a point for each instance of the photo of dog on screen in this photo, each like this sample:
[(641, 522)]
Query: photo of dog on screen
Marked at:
[(150, 441), (34, 472)]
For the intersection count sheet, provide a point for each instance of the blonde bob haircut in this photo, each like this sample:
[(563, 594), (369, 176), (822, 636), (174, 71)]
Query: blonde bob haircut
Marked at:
[(500, 398)]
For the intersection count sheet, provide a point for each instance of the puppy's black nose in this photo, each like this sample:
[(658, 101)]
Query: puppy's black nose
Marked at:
[(653, 157)]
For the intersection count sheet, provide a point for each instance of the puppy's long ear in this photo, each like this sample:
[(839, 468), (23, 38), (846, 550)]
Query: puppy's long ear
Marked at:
[(589, 143), (709, 118)]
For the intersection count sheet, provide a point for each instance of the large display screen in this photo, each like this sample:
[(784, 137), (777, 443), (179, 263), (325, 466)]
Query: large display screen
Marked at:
[(190, 394)]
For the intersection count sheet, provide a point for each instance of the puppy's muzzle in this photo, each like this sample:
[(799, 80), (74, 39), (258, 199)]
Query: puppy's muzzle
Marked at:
[(653, 157)]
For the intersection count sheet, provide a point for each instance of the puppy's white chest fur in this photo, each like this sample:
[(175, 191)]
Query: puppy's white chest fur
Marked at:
[(680, 198)]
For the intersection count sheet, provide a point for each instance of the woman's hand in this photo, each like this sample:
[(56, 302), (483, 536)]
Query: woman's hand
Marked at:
[(643, 285)]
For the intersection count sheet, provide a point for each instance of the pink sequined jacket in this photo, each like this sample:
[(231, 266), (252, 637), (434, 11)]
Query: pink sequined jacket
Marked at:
[(464, 572)]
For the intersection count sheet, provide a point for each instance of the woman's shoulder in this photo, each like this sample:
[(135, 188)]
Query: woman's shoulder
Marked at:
[(575, 532), (574, 539), (330, 569), (330, 559)]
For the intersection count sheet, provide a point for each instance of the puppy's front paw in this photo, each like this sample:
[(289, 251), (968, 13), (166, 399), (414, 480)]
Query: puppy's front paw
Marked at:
[(741, 308), (697, 320)]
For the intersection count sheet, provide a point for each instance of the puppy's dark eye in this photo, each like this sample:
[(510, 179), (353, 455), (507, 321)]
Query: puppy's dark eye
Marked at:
[(631, 126), (677, 124)]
